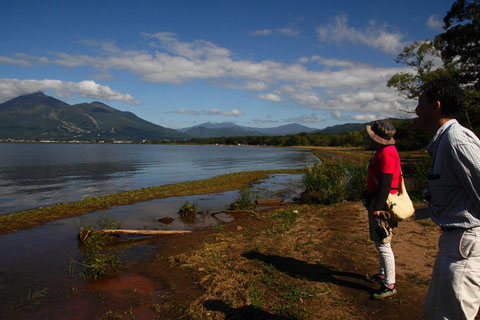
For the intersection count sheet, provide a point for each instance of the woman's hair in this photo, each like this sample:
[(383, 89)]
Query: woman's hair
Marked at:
[(447, 92)]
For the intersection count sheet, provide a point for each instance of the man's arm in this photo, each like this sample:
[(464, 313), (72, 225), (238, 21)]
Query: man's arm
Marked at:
[(467, 170)]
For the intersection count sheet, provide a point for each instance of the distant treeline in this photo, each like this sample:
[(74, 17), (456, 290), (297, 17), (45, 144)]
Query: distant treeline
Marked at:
[(408, 137)]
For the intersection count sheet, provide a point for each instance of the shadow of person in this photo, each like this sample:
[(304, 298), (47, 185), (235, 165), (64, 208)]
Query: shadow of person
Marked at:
[(312, 272), (242, 313)]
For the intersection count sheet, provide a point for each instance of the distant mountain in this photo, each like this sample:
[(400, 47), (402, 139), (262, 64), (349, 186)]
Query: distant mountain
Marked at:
[(350, 127), (228, 129), (202, 132), (292, 128), (38, 116), (342, 128)]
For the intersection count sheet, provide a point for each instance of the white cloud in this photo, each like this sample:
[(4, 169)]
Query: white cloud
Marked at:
[(287, 31), (186, 111), (270, 96), (337, 115), (11, 88), (290, 32), (255, 86), (211, 112), (434, 23), (20, 62), (263, 32), (376, 98), (378, 37), (365, 117), (334, 84), (306, 119), (326, 62), (217, 112), (107, 46), (203, 60), (247, 85)]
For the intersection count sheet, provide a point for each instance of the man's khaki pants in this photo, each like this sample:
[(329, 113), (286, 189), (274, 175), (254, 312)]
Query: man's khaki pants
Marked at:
[(454, 291)]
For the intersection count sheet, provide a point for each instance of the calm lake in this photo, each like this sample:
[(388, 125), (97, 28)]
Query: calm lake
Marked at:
[(34, 175), (36, 261)]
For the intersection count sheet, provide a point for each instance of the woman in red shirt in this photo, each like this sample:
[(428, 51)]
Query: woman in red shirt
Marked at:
[(383, 178)]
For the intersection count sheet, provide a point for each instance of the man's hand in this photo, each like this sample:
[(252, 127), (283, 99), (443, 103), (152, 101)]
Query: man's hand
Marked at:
[(377, 213)]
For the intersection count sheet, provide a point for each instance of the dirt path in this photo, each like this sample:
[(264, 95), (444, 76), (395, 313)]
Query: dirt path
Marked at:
[(279, 265)]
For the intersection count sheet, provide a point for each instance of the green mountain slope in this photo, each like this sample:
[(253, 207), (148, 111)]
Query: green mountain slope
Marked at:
[(38, 116)]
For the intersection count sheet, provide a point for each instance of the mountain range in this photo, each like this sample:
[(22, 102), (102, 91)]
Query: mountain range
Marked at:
[(228, 129), (38, 116)]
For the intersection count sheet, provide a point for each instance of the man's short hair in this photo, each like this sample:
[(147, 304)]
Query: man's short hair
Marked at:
[(448, 92)]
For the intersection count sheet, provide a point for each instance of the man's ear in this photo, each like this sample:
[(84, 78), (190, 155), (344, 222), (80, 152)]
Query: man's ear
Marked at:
[(437, 109)]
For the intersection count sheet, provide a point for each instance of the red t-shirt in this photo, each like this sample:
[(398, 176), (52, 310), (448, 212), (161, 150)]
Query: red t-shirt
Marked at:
[(386, 160)]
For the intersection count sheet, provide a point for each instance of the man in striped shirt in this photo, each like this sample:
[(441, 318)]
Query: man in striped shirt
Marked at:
[(453, 197)]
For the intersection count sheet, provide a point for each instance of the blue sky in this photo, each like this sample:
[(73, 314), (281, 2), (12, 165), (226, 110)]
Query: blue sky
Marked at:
[(182, 63)]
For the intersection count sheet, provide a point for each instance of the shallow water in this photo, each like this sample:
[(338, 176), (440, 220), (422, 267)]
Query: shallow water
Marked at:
[(39, 258)]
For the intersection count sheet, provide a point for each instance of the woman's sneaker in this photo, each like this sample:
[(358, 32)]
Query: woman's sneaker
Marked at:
[(383, 293)]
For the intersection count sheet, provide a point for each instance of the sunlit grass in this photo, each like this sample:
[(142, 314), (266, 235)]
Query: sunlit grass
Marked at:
[(357, 155), (31, 218)]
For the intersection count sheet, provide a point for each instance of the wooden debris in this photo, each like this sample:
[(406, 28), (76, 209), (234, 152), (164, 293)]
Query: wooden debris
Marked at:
[(85, 233)]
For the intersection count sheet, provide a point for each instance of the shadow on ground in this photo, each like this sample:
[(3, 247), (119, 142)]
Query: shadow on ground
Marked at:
[(312, 272), (246, 312)]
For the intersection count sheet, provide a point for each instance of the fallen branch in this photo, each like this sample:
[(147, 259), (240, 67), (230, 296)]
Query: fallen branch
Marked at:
[(83, 235)]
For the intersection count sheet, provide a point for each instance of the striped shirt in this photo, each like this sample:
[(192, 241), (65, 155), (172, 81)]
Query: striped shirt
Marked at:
[(454, 184)]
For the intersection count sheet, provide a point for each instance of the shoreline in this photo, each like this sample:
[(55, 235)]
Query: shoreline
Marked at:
[(296, 261), (313, 264), (13, 222)]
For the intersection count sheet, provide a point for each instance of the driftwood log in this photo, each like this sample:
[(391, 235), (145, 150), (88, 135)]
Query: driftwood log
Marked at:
[(83, 235)]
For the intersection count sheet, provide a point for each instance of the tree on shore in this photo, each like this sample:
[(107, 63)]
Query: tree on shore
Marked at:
[(455, 53)]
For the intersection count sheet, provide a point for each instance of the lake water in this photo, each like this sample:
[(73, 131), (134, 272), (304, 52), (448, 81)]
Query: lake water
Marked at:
[(34, 175)]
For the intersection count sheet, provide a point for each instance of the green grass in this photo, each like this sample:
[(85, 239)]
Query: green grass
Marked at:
[(244, 201), (14, 222), (283, 220), (33, 297), (272, 291), (98, 262)]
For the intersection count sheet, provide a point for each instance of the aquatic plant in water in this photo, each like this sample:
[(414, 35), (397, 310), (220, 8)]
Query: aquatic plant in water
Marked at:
[(98, 262), (187, 209), (244, 201)]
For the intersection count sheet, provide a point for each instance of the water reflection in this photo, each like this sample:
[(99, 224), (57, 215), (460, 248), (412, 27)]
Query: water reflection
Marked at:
[(33, 175)]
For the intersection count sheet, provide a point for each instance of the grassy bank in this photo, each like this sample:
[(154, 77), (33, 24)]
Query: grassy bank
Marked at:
[(31, 218), (358, 155), (306, 262), (296, 262)]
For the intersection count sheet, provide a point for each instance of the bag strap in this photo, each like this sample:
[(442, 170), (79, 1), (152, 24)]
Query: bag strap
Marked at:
[(401, 184)]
